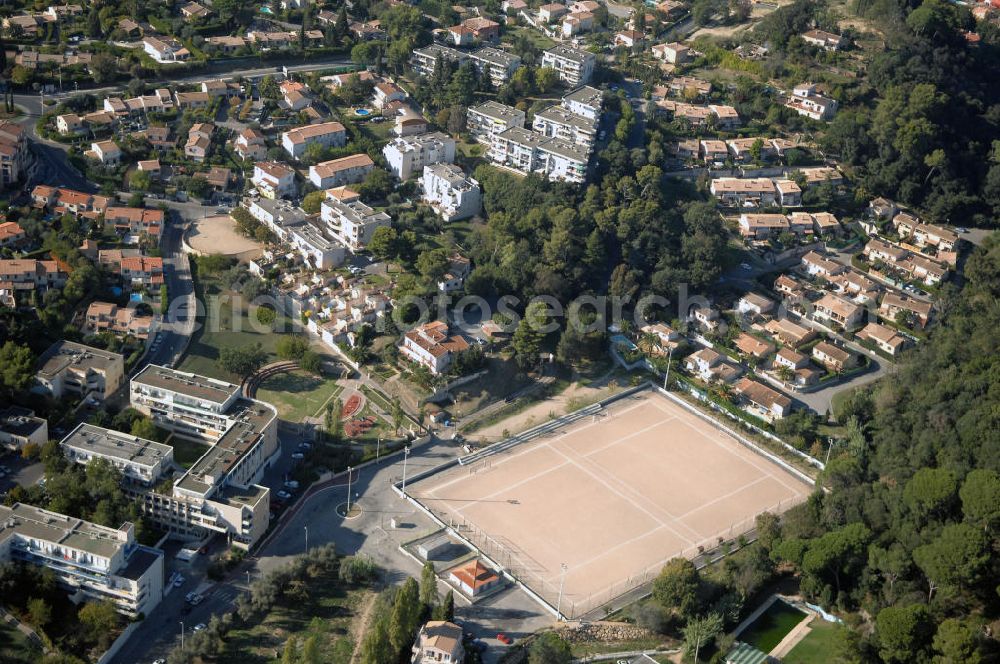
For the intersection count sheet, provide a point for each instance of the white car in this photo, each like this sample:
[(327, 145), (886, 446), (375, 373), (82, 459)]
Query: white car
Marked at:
[(199, 627), (284, 495), (178, 582), (291, 484), (298, 455)]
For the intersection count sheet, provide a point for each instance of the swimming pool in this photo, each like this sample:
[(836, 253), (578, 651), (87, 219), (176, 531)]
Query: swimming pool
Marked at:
[(772, 626), (135, 297), (363, 112), (266, 10)]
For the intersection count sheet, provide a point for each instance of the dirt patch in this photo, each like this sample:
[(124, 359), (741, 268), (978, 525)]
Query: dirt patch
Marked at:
[(217, 235)]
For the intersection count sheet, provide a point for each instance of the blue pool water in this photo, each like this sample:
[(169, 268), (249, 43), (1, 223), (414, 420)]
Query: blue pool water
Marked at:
[(622, 340), (135, 297), (116, 290), (363, 112), (266, 10)]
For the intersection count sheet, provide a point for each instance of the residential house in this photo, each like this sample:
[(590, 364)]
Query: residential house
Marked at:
[(432, 346), (327, 134), (629, 39), (711, 366), (135, 221), (227, 44), (151, 166), (885, 339), (666, 338), (109, 317), (763, 401), (825, 40), (689, 86), (20, 427), (63, 200), (834, 358), (674, 53), (806, 101), (802, 373), (192, 11), (387, 91), (20, 277), (726, 117), (165, 49), (550, 12), (439, 642), (893, 305), (459, 268), (749, 192), (816, 265), (752, 346), (143, 271), (192, 100), (759, 227), (251, 144), (346, 170), (158, 102), (792, 291), (106, 152), (756, 304), (789, 333), (713, 150), (274, 180), (483, 29), (835, 309), (69, 124), (11, 234)]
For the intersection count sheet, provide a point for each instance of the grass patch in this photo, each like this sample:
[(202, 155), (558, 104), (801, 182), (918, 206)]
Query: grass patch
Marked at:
[(772, 626), (819, 645), (298, 395), (16, 647), (327, 615), (226, 324), (584, 649), (186, 452)]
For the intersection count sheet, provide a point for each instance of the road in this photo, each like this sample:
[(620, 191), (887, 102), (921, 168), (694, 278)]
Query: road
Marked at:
[(511, 611)]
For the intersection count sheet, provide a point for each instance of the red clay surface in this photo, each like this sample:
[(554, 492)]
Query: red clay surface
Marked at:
[(612, 497), (352, 406)]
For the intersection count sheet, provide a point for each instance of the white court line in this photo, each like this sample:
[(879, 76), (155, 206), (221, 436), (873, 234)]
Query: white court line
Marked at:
[(749, 457), (639, 495), (725, 497)]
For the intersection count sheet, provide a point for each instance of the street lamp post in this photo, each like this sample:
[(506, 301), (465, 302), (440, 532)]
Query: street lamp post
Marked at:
[(306, 528), (562, 584), (666, 377), (348, 511), (248, 578), (378, 449), (182, 636), (406, 455)]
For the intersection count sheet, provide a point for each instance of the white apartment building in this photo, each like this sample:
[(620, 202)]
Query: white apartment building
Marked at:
[(352, 224), (585, 101), (274, 180), (490, 118), (303, 232), (407, 155), (329, 134), (71, 368), (451, 193), (425, 59), (219, 493), (496, 65), (139, 460), (337, 172), (531, 152), (575, 67), (20, 427), (165, 49), (104, 564), (558, 122)]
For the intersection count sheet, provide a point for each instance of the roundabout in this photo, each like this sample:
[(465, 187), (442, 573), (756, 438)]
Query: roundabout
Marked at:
[(353, 513)]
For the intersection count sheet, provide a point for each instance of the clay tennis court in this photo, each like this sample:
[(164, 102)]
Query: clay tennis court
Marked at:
[(611, 496)]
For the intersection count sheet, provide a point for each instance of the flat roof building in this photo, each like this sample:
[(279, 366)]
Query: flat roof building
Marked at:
[(69, 367), (138, 460)]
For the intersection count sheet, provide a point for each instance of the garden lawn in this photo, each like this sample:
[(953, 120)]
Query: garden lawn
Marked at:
[(226, 324), (186, 452), (327, 614), (298, 395), (819, 645)]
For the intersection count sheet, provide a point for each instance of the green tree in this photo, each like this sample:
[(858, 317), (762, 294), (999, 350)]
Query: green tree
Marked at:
[(699, 632), (377, 185), (676, 587), (242, 361), (405, 616), (384, 243), (528, 337), (446, 609), (290, 654), (21, 75), (980, 496), (549, 648), (292, 347), (99, 618), (143, 427), (433, 264), (902, 633), (956, 559), (311, 362), (140, 181), (17, 367), (931, 491), (39, 612), (377, 648), (312, 201), (428, 586), (311, 651), (956, 642), (104, 67)]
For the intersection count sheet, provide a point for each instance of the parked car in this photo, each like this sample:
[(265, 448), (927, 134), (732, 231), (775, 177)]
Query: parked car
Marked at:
[(504, 639), (189, 597), (284, 495), (298, 455), (179, 581), (199, 627), (291, 484)]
